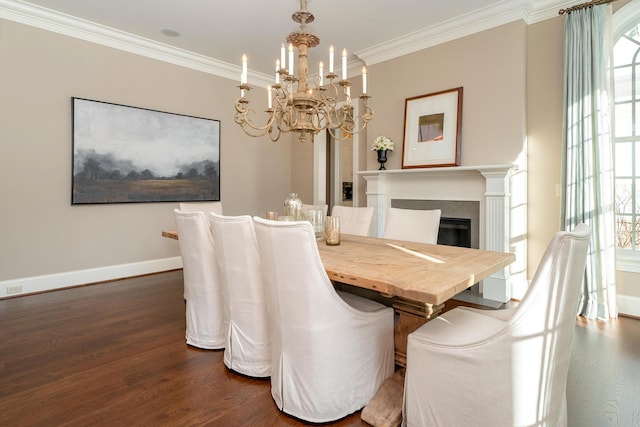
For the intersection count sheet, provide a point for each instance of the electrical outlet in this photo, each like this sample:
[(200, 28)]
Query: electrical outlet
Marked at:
[(14, 289)]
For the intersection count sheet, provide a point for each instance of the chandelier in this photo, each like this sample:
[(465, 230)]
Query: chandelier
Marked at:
[(294, 104)]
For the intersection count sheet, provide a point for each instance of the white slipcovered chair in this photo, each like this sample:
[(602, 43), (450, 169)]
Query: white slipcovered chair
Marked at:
[(330, 351), (205, 207), (247, 342), (202, 290), (354, 220), (412, 225), (501, 367)]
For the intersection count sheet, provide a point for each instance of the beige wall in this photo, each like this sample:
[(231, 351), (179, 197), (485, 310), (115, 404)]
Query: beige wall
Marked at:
[(544, 133), (490, 67), (41, 233)]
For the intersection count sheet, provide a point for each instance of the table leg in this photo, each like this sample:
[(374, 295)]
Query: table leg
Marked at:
[(385, 409), (411, 315)]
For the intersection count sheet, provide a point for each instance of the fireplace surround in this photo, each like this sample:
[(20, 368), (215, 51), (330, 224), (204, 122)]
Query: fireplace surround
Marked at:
[(451, 187)]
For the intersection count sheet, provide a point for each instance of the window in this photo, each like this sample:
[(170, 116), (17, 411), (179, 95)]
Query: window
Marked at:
[(626, 133)]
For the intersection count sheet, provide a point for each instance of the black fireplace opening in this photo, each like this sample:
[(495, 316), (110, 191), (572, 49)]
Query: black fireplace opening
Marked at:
[(455, 232)]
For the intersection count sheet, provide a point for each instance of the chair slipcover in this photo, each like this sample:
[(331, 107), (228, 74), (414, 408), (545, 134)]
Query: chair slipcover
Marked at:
[(354, 220), (206, 207), (412, 225), (501, 367), (330, 353), (247, 342), (202, 290)]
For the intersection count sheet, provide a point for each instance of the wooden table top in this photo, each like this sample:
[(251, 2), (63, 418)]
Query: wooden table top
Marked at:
[(416, 271)]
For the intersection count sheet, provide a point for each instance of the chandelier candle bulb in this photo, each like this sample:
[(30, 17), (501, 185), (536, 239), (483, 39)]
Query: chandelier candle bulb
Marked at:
[(277, 69), (344, 64), (364, 80), (331, 59), (321, 72), (269, 97), (243, 78)]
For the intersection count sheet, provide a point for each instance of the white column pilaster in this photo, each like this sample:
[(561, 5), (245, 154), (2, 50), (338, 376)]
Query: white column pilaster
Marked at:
[(497, 287), (376, 197)]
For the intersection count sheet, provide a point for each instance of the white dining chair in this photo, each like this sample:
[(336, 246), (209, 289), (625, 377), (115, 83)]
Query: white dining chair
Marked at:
[(412, 225), (202, 289), (501, 367), (354, 220), (247, 341), (330, 351), (205, 207)]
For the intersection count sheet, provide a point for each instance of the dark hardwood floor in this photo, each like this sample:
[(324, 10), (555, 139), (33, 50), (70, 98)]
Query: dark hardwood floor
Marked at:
[(114, 354)]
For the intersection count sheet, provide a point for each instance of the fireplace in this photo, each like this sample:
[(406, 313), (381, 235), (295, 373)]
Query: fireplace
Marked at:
[(455, 232)]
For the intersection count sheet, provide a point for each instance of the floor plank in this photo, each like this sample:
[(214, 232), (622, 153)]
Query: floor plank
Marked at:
[(115, 354)]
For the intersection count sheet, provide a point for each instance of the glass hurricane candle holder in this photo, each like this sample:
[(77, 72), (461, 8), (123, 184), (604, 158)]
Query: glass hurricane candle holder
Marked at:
[(332, 230)]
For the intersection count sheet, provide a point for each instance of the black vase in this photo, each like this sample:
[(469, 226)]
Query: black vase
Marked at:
[(382, 159)]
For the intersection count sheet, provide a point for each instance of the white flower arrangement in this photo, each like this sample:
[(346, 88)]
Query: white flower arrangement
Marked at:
[(382, 143)]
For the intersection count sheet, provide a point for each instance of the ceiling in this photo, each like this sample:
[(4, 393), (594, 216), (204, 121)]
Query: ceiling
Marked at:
[(371, 30)]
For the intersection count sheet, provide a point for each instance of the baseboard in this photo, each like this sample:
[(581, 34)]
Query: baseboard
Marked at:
[(628, 305), (29, 285)]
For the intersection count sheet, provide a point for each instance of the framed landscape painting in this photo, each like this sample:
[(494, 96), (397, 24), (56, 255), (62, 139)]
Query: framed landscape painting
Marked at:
[(127, 154), (432, 130)]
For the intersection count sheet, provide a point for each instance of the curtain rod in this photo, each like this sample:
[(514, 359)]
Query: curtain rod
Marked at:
[(583, 6)]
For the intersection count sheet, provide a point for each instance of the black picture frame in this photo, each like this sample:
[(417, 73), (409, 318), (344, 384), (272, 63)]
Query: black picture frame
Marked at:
[(124, 154)]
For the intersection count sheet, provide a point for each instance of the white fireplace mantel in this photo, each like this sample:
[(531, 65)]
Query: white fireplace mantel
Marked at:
[(488, 184)]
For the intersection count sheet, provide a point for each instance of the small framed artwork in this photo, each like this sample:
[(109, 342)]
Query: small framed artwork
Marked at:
[(432, 130), (125, 154)]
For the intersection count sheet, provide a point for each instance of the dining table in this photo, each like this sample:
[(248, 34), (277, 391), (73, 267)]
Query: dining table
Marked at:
[(416, 279)]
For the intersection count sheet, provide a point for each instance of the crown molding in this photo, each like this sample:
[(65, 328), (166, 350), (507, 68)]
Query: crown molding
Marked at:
[(480, 20), (47, 19), (530, 11)]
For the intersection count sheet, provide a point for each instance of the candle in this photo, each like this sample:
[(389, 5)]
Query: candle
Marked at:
[(277, 73), (290, 59), (344, 64), (282, 58), (364, 80), (269, 96), (243, 78), (331, 59), (321, 72)]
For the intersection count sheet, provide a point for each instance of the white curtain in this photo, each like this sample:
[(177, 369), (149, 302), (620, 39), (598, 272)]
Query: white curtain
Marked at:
[(588, 175)]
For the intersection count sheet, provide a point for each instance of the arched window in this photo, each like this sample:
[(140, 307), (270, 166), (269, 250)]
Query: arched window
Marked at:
[(626, 133)]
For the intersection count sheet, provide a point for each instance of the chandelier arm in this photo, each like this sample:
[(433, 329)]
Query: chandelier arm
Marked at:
[(242, 118)]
